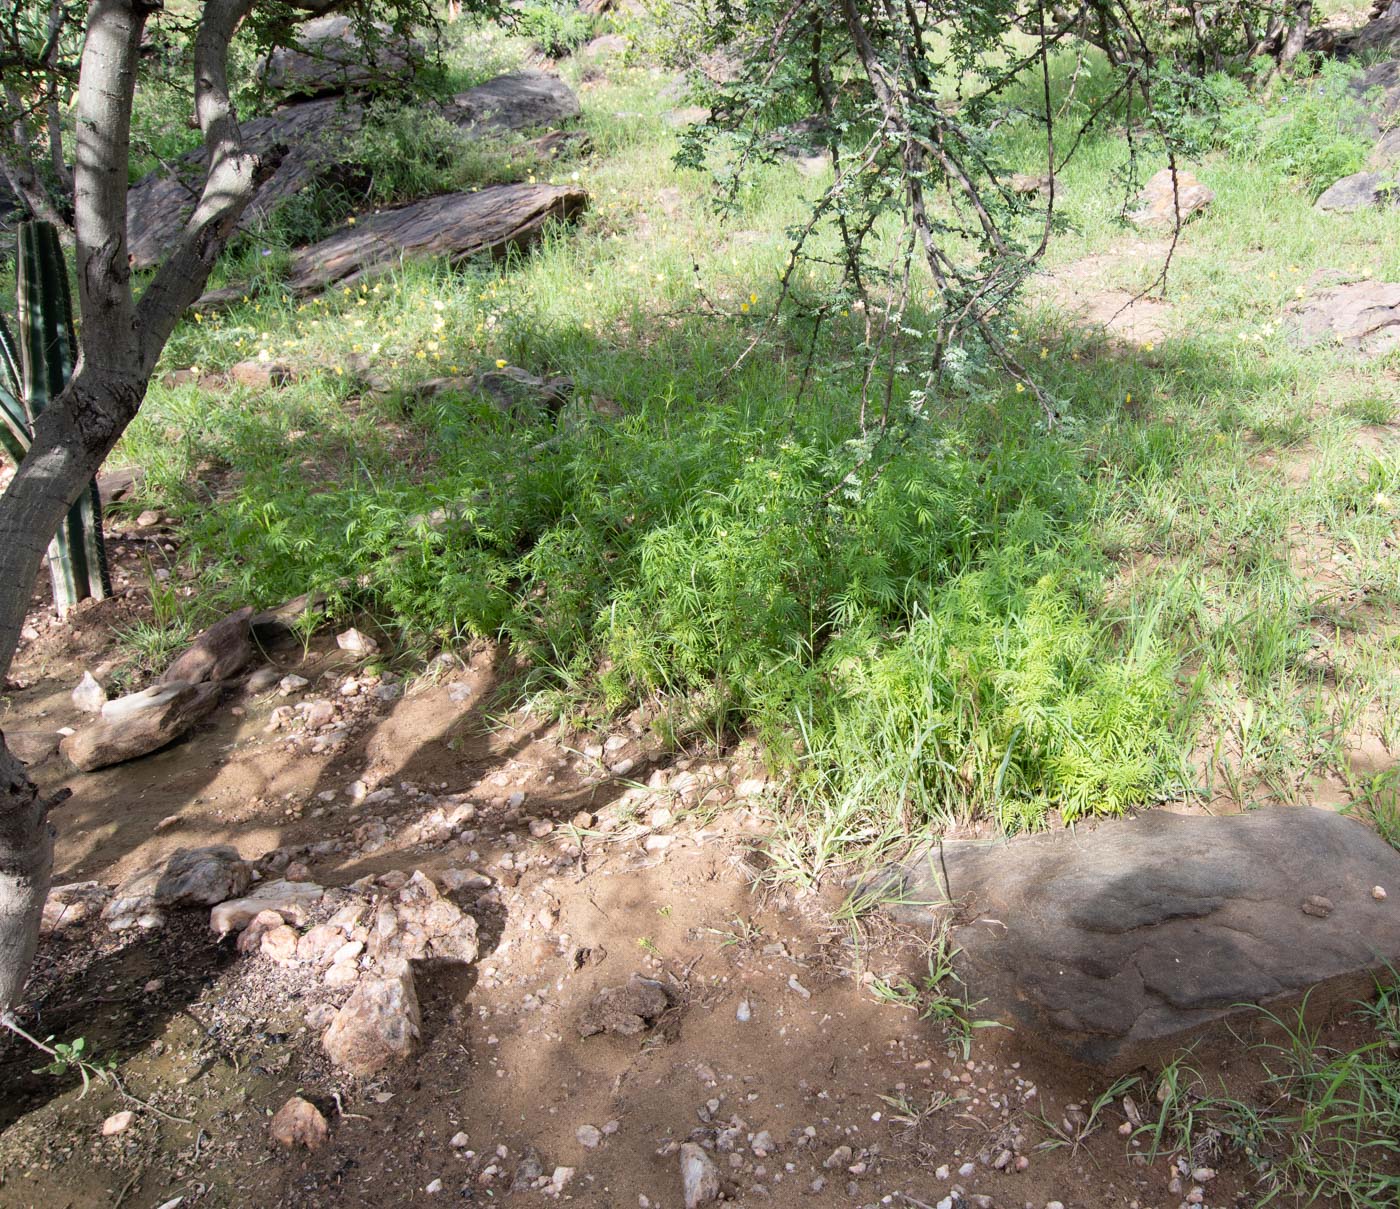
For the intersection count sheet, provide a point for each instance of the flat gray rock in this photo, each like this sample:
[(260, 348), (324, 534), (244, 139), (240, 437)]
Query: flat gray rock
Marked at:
[(1360, 191), (330, 57), (315, 139), (1120, 943), (1363, 316)]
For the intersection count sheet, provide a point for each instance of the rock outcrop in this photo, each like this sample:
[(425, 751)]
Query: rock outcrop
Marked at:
[(1363, 316), (1119, 943)]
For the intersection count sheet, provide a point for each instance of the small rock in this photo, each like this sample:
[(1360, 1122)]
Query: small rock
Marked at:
[(356, 643), (1378, 893), (560, 1179), (292, 684), (89, 696), (148, 518), (118, 1122), (699, 1177), (280, 944), (588, 1136), (299, 1123), (434, 1187), (841, 1156), (1318, 906), (624, 1010), (460, 1141)]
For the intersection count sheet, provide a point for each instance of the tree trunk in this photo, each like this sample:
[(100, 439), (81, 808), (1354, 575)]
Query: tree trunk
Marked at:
[(26, 861)]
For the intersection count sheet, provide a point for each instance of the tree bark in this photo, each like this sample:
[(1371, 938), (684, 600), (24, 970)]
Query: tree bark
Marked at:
[(26, 861), (120, 342)]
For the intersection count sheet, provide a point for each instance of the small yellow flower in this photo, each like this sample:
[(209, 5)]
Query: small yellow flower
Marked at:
[(500, 364), (1129, 398), (198, 318), (753, 298), (1148, 347), (744, 306), (1044, 352), (1020, 388), (350, 222)]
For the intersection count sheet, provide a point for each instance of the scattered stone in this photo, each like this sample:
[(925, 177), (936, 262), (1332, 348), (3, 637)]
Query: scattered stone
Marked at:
[(435, 1186), (588, 1136), (1317, 906), (261, 375), (517, 392), (841, 1156), (219, 653), (148, 518), (189, 877), (1362, 315), (141, 723), (250, 939), (299, 1123), (460, 1141), (625, 1010), (378, 1024), (280, 944), (1162, 200), (418, 924), (89, 696), (1378, 893), (71, 904), (292, 684), (699, 1177), (1090, 940), (118, 1122), (33, 747), (289, 899), (356, 643)]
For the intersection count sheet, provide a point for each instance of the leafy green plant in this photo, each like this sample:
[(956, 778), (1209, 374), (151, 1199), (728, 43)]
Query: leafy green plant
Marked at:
[(36, 369), (557, 27)]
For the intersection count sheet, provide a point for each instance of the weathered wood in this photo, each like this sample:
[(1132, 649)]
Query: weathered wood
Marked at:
[(316, 138), (219, 653), (140, 724), (460, 226)]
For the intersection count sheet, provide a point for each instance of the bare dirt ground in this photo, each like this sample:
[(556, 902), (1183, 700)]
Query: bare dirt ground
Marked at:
[(774, 1048)]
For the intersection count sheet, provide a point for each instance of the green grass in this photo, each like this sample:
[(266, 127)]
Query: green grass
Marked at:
[(1181, 589), (1322, 1126)]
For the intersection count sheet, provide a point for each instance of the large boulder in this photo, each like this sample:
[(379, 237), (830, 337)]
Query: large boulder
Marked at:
[(314, 141), (1360, 191), (1120, 943), (1362, 315), (330, 56), (188, 877), (140, 723), (459, 226)]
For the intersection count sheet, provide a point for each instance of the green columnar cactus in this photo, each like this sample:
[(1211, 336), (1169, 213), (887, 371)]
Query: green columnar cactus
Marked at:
[(35, 370)]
